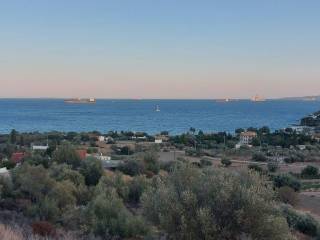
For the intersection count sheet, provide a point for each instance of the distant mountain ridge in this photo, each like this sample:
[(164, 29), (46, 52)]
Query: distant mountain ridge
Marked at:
[(305, 98)]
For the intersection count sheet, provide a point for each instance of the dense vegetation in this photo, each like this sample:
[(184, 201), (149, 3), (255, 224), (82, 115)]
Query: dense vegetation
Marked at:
[(55, 190)]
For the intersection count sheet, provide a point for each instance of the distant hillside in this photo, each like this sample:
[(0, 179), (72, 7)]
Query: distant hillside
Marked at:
[(305, 98)]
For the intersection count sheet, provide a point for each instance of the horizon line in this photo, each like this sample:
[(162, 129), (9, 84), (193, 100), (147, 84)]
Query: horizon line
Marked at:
[(138, 99)]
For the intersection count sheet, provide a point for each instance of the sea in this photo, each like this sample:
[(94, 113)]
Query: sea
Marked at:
[(175, 116)]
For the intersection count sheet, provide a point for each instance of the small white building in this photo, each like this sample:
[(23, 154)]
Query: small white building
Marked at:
[(302, 147), (302, 129), (4, 172), (103, 158), (247, 137), (101, 138), (40, 148), (139, 137), (158, 140)]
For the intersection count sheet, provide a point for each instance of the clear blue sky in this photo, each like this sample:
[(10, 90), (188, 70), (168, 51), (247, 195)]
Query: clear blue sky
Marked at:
[(159, 49)]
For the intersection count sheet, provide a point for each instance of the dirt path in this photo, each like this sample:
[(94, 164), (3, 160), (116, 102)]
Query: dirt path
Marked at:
[(310, 202)]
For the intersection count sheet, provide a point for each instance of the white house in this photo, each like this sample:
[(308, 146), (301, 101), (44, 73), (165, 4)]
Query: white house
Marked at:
[(247, 137), (101, 138), (39, 148), (103, 158), (302, 129), (4, 172)]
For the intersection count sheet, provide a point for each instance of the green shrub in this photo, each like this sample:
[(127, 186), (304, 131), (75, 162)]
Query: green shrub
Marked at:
[(310, 172), (7, 164), (132, 167), (67, 154), (136, 188), (273, 166), (259, 157), (226, 162), (92, 170), (91, 150), (151, 162), (204, 162), (168, 165), (108, 217), (286, 180), (301, 222), (116, 182), (255, 167), (288, 195), (295, 157), (6, 187), (214, 204)]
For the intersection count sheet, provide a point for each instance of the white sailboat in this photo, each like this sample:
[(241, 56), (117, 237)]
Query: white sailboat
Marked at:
[(157, 108)]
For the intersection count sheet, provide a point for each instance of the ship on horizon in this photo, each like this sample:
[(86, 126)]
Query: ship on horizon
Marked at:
[(257, 98), (81, 100)]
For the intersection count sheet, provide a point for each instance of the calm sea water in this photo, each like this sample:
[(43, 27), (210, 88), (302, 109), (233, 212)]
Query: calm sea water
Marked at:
[(176, 116)]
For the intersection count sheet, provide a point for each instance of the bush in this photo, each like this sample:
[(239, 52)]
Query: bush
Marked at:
[(7, 164), (204, 162), (295, 157), (288, 195), (286, 180), (151, 162), (226, 162), (92, 170), (108, 217), (255, 167), (67, 154), (168, 165), (259, 157), (310, 172), (116, 181), (214, 204), (136, 188), (132, 167), (91, 150), (6, 187), (43, 228), (273, 166), (303, 223)]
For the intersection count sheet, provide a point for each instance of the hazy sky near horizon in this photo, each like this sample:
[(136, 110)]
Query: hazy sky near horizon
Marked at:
[(159, 48)]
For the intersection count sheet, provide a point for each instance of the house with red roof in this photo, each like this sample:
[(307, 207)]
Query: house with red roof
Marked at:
[(17, 157), (82, 153)]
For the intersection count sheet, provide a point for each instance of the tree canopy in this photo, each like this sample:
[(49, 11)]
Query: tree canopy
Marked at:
[(192, 204)]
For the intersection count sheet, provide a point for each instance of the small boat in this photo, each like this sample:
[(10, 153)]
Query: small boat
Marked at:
[(157, 108)]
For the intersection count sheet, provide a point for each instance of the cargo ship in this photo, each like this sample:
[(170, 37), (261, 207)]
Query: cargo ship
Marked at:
[(81, 100), (257, 98)]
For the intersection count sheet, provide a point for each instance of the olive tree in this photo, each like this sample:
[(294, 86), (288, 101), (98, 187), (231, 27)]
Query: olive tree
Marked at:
[(191, 204)]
